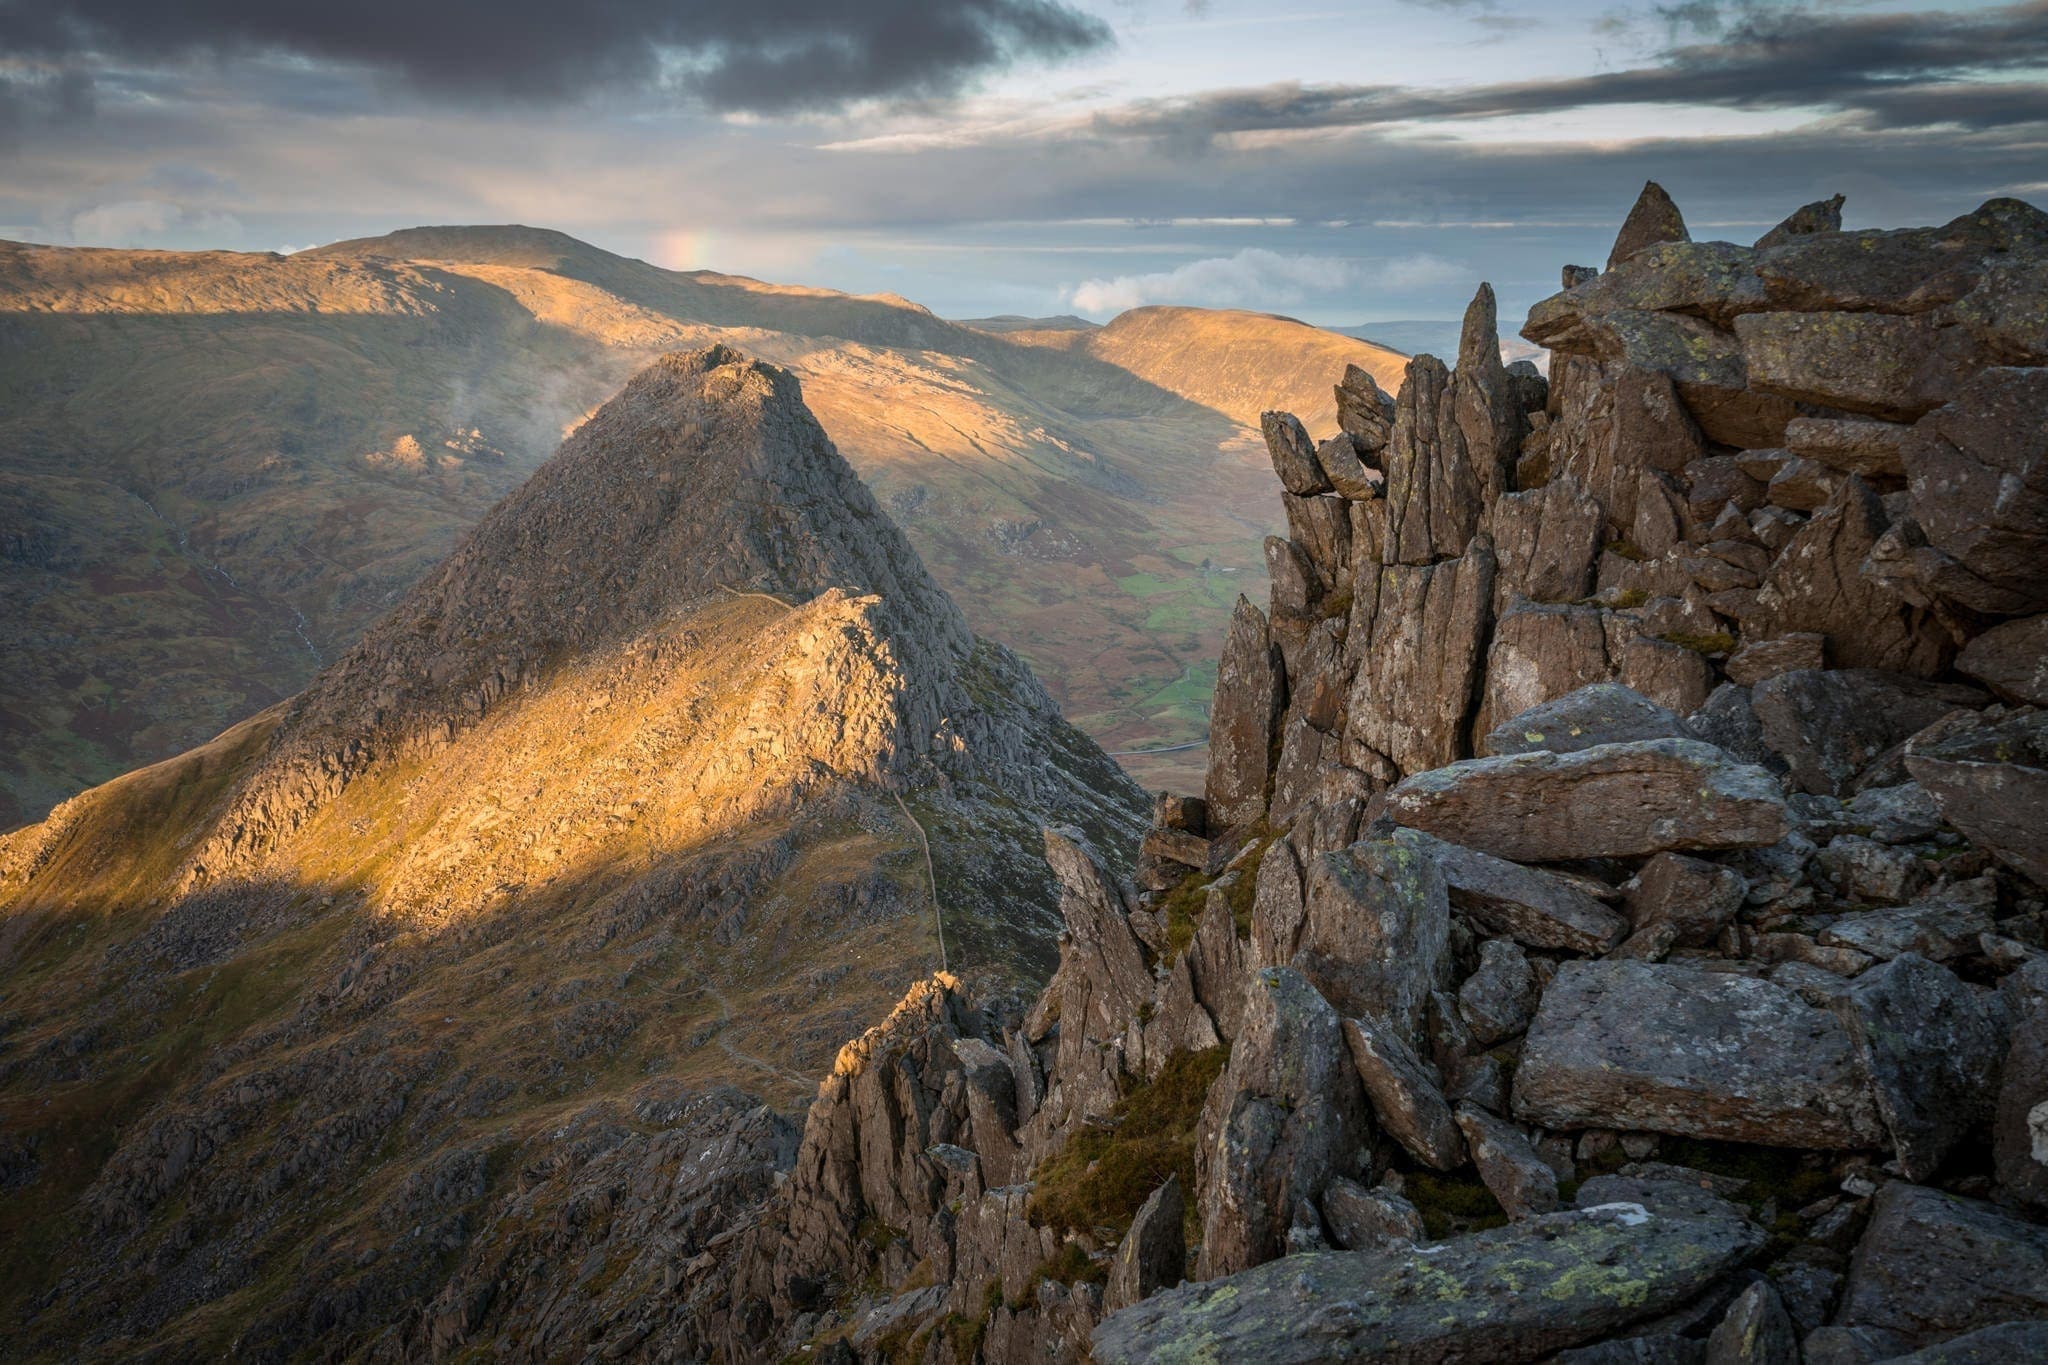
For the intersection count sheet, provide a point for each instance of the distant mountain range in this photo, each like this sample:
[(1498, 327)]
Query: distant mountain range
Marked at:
[(218, 469)]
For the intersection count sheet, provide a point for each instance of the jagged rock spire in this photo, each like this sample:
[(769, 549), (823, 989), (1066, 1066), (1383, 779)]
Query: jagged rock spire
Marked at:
[(1654, 219)]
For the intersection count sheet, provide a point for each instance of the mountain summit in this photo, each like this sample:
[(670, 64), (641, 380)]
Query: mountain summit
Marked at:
[(705, 480), (658, 781)]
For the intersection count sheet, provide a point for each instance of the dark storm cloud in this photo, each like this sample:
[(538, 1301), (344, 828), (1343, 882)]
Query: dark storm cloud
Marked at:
[(764, 56), (1890, 67)]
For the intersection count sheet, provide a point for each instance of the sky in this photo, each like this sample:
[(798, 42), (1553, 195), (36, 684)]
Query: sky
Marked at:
[(1338, 162)]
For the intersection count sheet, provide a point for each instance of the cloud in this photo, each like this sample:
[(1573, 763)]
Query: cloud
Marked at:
[(759, 56), (1258, 278), (148, 222), (1886, 67), (1253, 278)]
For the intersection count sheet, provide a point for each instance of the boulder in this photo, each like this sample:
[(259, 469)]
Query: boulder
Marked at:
[(1285, 1116), (1878, 364), (1901, 271), (1513, 1294), (1610, 801), (1899, 814), (2011, 660), (1672, 1049), (1707, 371), (1346, 466), (1852, 445), (1978, 471), (1153, 1254), (1404, 1094), (1540, 652), (1651, 220), (1249, 696), (2019, 1132), (1932, 1266), (1823, 215), (1931, 1045), (1599, 713), (1713, 280), (1755, 660), (2004, 1344), (1865, 870), (1802, 485), (1817, 584), (1497, 1000), (1832, 724), (1728, 721), (1939, 931), (1294, 455), (1991, 782), (1528, 905), (1509, 1167), (1365, 412), (1756, 1330), (1376, 936), (1693, 898), (1367, 1220)]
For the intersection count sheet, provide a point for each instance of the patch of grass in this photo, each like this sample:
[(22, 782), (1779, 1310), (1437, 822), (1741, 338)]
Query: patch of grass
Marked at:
[(1628, 597), (1100, 1179), (1245, 888), (1182, 911), (1708, 642), (965, 1334), (1795, 1179), (1452, 1202), (1072, 1264), (1627, 549)]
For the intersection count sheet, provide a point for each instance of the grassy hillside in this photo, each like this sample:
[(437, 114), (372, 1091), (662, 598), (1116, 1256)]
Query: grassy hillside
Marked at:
[(1238, 363)]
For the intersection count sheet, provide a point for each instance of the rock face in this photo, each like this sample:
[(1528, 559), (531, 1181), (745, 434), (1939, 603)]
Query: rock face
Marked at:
[(1611, 801), (1933, 1047), (1517, 1294), (1672, 1049), (1931, 1267)]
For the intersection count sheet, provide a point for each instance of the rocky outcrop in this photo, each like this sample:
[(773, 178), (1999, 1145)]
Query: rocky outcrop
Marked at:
[(1598, 777), (1600, 785)]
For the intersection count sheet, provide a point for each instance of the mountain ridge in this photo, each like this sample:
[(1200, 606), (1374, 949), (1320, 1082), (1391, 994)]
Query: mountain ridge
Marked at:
[(220, 468), (657, 781)]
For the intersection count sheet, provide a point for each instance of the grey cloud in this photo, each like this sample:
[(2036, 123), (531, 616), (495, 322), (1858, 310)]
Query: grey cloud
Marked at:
[(766, 56), (1888, 66)]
